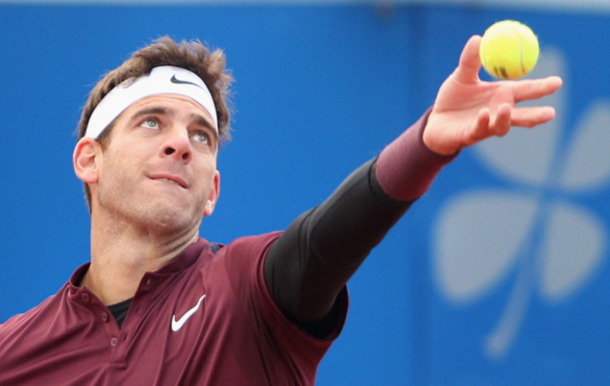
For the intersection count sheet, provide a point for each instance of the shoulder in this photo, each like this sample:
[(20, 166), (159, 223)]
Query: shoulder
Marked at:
[(246, 248), (239, 262), (249, 249), (239, 257), (30, 319), (253, 244)]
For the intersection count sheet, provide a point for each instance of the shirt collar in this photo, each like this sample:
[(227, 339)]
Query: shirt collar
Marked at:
[(185, 259)]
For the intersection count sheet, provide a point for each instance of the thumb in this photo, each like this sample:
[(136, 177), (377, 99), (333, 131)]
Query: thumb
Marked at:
[(470, 62)]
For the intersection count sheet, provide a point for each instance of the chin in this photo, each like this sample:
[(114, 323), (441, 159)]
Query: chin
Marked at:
[(170, 219)]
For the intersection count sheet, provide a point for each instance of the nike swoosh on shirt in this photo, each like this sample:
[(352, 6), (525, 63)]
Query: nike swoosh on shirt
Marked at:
[(177, 324), (178, 81)]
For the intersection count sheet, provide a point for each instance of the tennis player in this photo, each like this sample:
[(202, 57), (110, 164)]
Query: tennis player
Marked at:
[(159, 305)]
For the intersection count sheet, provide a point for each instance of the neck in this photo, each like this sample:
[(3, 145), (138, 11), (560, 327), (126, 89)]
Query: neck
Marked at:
[(121, 253)]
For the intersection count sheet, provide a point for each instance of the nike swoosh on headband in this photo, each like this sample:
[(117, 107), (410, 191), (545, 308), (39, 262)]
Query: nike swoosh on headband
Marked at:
[(178, 81)]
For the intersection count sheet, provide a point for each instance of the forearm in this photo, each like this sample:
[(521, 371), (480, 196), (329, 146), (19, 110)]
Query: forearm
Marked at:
[(406, 167)]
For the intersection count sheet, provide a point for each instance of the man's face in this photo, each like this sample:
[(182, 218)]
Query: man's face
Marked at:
[(159, 169)]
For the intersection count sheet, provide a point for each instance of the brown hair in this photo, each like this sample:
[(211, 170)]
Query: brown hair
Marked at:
[(193, 56)]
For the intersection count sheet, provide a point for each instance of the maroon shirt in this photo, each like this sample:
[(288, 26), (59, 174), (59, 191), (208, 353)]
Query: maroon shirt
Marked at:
[(203, 319), (209, 319)]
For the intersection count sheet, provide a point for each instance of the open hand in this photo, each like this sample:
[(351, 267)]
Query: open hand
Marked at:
[(468, 110)]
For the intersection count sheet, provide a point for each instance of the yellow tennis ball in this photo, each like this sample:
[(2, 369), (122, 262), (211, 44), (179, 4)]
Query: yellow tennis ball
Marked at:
[(509, 49)]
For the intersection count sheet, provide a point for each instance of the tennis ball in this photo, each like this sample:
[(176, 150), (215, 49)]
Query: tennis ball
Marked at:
[(509, 49)]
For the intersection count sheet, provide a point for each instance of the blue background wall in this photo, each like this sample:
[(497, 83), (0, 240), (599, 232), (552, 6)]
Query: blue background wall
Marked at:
[(320, 90)]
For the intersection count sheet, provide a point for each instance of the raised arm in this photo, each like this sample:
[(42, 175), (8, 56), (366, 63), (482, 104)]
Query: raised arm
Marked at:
[(309, 265)]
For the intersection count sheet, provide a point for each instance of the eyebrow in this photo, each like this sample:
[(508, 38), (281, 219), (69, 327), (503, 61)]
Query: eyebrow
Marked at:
[(162, 110)]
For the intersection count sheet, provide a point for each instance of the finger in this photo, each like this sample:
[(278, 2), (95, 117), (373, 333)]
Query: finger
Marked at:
[(532, 116), (536, 88), (470, 62), (502, 122), (480, 130)]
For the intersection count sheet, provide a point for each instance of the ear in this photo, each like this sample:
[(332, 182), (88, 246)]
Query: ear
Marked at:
[(213, 197), (84, 160)]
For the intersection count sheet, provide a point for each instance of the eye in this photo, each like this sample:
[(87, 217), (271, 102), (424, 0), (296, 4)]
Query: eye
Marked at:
[(201, 137), (150, 123)]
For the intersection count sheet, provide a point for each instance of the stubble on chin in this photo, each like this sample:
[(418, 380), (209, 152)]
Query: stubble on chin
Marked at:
[(162, 218), (153, 216), (166, 220)]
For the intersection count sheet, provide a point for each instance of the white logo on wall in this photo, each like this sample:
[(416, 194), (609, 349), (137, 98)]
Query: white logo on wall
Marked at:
[(534, 225)]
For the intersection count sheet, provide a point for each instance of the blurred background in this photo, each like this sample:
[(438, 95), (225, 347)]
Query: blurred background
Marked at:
[(497, 276)]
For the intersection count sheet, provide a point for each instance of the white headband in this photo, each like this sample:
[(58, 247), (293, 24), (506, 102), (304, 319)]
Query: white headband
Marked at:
[(161, 80)]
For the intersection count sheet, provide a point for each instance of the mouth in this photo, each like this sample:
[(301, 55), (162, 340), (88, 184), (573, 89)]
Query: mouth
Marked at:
[(171, 179)]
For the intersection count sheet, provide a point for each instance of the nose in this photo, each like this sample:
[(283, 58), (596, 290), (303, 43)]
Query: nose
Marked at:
[(177, 146)]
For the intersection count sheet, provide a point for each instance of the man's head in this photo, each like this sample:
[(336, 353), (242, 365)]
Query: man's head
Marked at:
[(192, 56)]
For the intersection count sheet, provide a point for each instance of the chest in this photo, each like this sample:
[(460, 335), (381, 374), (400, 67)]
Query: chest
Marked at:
[(185, 331)]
